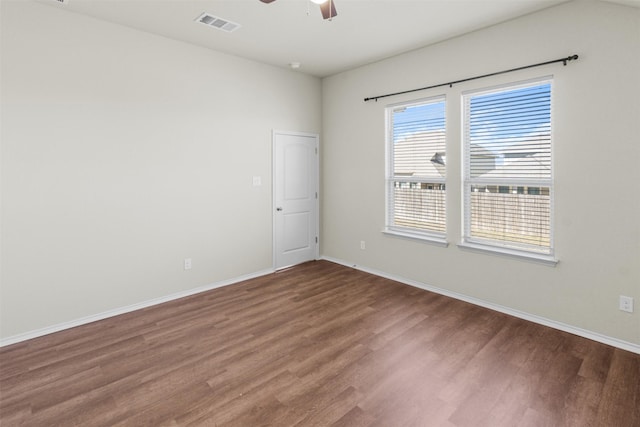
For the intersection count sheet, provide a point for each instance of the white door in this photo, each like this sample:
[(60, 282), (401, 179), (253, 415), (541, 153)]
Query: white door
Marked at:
[(295, 197)]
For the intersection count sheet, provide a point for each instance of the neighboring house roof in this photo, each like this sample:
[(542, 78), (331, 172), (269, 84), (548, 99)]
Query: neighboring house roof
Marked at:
[(422, 154), (521, 166)]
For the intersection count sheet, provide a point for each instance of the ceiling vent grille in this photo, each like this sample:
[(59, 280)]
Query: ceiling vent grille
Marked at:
[(215, 22)]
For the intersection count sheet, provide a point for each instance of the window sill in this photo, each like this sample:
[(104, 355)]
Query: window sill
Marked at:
[(512, 253), (425, 238)]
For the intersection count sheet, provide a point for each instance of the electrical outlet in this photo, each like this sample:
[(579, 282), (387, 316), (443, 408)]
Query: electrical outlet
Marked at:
[(187, 263), (363, 246), (626, 304)]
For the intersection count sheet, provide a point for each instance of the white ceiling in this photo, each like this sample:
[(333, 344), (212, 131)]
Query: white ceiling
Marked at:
[(287, 31)]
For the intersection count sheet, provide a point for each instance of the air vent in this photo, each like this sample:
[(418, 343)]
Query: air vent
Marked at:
[(215, 22)]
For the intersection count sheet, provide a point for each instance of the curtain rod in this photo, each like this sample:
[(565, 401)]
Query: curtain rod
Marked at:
[(450, 84)]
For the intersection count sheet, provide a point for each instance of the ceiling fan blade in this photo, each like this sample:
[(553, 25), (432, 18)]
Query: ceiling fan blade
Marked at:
[(267, 1), (328, 9)]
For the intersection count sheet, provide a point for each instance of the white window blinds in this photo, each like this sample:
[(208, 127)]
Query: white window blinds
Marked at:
[(416, 194), (508, 179)]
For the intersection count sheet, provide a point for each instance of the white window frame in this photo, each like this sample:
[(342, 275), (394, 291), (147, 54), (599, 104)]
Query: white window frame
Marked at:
[(496, 246), (434, 237)]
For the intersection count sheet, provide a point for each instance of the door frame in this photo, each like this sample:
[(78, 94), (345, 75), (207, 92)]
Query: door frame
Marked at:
[(274, 134)]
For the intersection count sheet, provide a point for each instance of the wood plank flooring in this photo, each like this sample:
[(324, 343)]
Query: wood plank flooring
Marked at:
[(317, 345)]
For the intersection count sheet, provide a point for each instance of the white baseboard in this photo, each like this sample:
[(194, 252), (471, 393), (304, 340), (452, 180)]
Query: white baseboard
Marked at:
[(624, 345), (635, 348), (122, 310)]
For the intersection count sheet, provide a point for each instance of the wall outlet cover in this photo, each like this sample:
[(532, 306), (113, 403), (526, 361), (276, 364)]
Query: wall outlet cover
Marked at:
[(626, 304)]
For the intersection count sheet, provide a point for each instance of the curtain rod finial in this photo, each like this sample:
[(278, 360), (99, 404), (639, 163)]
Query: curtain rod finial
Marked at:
[(569, 58)]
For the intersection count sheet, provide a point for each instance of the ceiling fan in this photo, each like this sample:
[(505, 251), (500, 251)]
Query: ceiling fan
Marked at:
[(327, 7)]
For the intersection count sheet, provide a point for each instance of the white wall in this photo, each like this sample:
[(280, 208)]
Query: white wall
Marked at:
[(124, 153), (596, 156)]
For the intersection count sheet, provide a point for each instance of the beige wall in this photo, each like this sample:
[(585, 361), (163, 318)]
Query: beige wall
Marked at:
[(124, 153), (596, 155)]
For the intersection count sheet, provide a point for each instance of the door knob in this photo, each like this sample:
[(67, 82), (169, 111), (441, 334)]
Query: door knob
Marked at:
[(278, 209)]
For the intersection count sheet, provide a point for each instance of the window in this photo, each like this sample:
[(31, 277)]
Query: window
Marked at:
[(416, 194), (507, 168)]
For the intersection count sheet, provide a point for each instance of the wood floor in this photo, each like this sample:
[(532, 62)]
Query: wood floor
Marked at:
[(317, 345)]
